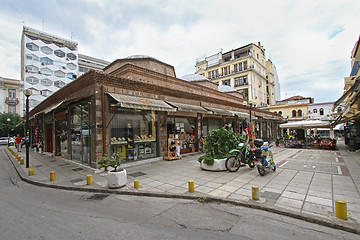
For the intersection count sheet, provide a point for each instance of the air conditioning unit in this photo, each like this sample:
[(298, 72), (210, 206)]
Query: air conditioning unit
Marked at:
[(67, 59), (39, 72), (43, 64), (63, 67)]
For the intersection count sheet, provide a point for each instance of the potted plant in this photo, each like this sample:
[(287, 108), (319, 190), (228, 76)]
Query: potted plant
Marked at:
[(277, 142), (217, 145), (117, 177)]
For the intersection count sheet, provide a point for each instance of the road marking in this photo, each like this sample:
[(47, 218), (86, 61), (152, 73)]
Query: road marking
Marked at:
[(283, 164), (294, 156), (313, 167), (336, 159), (339, 170), (305, 166)]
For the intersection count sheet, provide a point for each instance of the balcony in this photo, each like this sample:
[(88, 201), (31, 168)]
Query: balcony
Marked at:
[(12, 101)]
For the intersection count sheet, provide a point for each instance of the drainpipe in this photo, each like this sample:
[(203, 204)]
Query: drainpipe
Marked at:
[(103, 118)]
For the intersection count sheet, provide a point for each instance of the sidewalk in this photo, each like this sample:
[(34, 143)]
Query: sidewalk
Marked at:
[(305, 185)]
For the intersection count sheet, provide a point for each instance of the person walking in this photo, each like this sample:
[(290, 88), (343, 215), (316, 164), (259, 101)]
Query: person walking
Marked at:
[(18, 142)]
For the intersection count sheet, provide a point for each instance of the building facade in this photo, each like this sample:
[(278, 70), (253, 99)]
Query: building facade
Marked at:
[(47, 63), (322, 111), (11, 96), (134, 108), (243, 69), (272, 83), (87, 63)]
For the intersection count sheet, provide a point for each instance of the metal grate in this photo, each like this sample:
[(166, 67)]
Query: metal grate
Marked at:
[(271, 195), (77, 180), (36, 166), (77, 169), (137, 174), (63, 165), (97, 197)]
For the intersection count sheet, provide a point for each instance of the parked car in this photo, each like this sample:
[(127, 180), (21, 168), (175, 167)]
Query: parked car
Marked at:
[(6, 140)]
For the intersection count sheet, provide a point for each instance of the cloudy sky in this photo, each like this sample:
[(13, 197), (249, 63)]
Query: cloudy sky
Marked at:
[(310, 42)]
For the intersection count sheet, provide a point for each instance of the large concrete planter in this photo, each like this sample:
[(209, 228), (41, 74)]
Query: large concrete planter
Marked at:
[(117, 179), (219, 165)]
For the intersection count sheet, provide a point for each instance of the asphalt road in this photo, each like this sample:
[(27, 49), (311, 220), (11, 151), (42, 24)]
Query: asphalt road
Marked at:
[(31, 212)]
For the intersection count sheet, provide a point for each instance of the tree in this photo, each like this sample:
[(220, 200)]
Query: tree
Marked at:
[(16, 124)]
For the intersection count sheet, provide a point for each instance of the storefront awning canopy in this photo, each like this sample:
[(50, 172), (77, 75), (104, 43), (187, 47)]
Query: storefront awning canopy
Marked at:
[(189, 108), (220, 111), (307, 124), (241, 114), (126, 101)]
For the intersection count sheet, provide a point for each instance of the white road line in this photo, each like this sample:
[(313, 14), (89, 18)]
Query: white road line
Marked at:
[(294, 156), (339, 170), (336, 159), (283, 164)]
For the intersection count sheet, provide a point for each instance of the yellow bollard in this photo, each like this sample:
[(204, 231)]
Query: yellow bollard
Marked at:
[(191, 186), (52, 176), (341, 209), (21, 161), (255, 193), (31, 171), (136, 184), (89, 179)]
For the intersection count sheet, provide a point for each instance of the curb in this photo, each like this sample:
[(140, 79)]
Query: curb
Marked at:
[(189, 196)]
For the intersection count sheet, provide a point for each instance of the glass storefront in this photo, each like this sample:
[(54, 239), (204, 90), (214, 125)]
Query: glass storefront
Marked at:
[(182, 128), (210, 124), (61, 138), (80, 133), (133, 133)]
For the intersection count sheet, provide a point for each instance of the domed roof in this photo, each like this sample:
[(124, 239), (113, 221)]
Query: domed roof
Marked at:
[(139, 56), (193, 78), (225, 88)]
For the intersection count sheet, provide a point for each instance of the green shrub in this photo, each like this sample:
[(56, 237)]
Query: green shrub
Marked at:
[(218, 143)]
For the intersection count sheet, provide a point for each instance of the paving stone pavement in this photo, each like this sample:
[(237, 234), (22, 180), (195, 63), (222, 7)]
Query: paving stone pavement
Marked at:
[(307, 182)]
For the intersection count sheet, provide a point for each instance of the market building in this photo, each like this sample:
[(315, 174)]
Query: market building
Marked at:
[(134, 107)]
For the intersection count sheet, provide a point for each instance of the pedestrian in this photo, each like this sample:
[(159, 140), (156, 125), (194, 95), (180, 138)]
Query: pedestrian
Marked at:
[(18, 142)]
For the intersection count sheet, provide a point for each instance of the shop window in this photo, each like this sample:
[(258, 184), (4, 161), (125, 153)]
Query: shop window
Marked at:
[(81, 133), (293, 113), (32, 46), (46, 50), (321, 111), (184, 129), (133, 133), (59, 53)]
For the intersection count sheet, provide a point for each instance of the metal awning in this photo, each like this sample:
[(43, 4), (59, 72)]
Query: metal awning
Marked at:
[(307, 124), (53, 107), (188, 108), (220, 111), (241, 114), (127, 101)]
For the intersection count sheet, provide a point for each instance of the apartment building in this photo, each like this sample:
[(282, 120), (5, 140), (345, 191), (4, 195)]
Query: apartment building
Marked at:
[(244, 69), (48, 63), (87, 63), (272, 83), (11, 100)]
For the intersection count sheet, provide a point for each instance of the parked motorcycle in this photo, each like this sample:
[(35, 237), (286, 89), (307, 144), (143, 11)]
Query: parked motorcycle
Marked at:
[(241, 155), (263, 157)]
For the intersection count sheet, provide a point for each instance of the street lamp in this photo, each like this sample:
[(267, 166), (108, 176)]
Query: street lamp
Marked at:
[(251, 103), (27, 93), (8, 122)]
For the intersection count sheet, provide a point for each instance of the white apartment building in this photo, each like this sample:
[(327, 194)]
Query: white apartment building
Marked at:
[(86, 63), (47, 63), (322, 111)]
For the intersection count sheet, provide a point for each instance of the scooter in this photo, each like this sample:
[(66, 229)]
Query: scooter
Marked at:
[(240, 155), (263, 157)]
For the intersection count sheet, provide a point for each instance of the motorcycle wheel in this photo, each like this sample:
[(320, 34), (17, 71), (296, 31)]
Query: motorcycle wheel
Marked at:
[(251, 164), (232, 164), (274, 168), (261, 170)]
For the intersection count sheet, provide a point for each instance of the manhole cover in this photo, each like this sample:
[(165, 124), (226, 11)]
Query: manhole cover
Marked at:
[(77, 169), (271, 195), (77, 180), (98, 197), (137, 174), (64, 164)]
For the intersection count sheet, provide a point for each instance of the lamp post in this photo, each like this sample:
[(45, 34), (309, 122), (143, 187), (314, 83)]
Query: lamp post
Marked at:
[(27, 93), (251, 103), (8, 122)]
